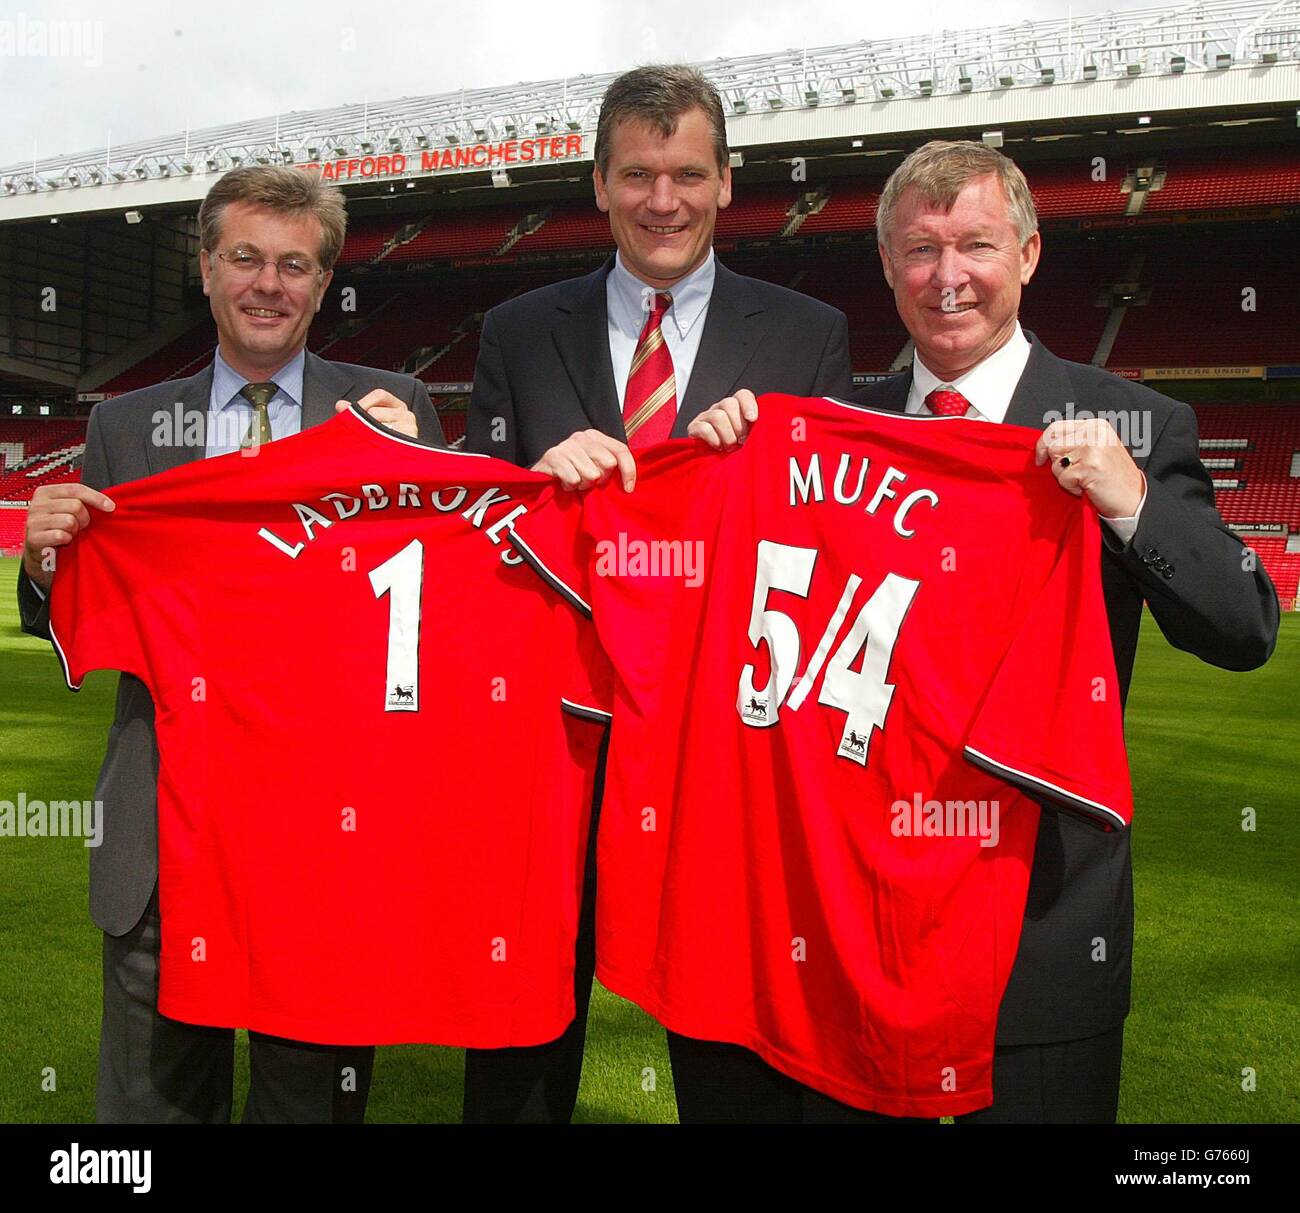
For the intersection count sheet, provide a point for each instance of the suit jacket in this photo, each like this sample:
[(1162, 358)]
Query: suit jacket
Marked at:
[(544, 369), (120, 447), (1187, 566)]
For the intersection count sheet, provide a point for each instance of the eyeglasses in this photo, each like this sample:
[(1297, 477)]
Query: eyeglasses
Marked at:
[(292, 270)]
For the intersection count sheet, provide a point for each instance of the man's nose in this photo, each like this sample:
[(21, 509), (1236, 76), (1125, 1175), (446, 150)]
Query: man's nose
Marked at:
[(663, 195), (267, 279), (949, 269)]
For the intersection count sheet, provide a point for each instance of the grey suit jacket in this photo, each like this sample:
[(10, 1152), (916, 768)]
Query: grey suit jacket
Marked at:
[(544, 370), (120, 446), (1187, 566)]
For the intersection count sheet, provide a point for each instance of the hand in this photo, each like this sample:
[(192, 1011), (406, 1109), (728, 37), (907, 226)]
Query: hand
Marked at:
[(57, 513), (588, 458), (724, 425), (385, 408), (1089, 459)]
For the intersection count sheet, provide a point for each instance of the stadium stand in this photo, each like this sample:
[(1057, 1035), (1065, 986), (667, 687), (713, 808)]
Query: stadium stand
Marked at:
[(1216, 299), (1197, 181), (36, 452)]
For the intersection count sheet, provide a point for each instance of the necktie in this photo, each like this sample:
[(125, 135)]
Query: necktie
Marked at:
[(650, 402), (259, 395), (946, 402)]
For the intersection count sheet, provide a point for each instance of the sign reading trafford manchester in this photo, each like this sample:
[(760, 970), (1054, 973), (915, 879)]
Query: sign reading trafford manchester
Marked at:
[(463, 157)]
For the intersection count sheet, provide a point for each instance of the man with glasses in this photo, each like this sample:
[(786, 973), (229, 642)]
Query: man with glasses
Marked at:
[(269, 238)]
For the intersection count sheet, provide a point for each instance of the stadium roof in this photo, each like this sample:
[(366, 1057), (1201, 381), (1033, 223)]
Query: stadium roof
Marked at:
[(985, 75)]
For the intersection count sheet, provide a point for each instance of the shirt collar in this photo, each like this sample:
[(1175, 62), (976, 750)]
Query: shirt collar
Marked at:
[(989, 385), (690, 296), (227, 382)]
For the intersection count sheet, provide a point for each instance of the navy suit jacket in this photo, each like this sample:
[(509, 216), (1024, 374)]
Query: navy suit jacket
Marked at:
[(1187, 566), (544, 370)]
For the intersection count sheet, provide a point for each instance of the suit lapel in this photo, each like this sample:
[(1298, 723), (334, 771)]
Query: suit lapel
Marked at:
[(889, 393), (582, 338), (188, 420), (1044, 388), (323, 385), (734, 327)]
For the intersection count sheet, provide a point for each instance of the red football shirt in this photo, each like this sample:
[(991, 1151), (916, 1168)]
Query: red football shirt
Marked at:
[(839, 652), (371, 804)]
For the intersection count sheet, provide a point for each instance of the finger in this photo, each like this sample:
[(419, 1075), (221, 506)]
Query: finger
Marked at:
[(64, 494), (378, 396), (564, 473), (626, 467), (736, 417), (604, 457), (62, 522), (726, 429), (748, 404), (706, 433), (588, 470)]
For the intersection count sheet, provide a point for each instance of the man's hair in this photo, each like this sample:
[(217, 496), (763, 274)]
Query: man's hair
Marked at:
[(658, 95), (290, 191), (941, 169)]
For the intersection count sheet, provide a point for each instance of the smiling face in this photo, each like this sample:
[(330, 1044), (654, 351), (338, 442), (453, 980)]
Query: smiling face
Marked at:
[(262, 323), (662, 196), (957, 274)]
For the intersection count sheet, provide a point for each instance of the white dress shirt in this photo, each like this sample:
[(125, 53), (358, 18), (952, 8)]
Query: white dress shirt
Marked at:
[(989, 386), (683, 323)]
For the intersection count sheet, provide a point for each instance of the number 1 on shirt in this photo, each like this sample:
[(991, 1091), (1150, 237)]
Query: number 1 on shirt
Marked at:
[(401, 577)]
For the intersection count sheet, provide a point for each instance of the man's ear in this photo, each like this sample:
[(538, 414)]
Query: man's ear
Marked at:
[(724, 194), (1030, 251), (602, 193), (326, 278), (205, 268)]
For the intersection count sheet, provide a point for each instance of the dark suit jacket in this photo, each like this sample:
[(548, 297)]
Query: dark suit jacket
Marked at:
[(119, 447), (1187, 566), (544, 368)]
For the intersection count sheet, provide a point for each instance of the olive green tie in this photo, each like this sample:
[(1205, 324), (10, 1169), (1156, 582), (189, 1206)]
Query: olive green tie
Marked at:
[(259, 395)]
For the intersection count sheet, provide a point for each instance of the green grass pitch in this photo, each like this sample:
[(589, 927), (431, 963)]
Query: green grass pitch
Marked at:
[(1215, 989)]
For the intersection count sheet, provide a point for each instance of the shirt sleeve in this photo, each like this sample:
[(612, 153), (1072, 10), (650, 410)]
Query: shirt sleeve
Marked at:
[(551, 539), (1051, 722), (95, 619), (1125, 528)]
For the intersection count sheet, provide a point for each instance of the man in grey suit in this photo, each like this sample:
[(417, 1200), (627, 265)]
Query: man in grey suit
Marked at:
[(269, 239)]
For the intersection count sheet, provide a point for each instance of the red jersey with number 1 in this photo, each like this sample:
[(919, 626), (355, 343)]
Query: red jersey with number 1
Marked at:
[(371, 805), (840, 653)]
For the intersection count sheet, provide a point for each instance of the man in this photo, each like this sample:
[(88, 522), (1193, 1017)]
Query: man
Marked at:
[(573, 379), (958, 240), (269, 238)]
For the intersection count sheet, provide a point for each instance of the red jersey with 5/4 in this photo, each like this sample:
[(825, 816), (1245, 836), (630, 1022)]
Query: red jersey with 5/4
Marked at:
[(839, 653), (371, 805)]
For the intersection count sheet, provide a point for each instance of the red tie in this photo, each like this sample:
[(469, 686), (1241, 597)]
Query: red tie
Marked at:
[(945, 402), (650, 402)]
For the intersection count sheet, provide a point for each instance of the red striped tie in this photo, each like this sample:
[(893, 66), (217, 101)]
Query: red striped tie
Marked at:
[(650, 402), (945, 402)]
